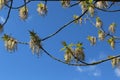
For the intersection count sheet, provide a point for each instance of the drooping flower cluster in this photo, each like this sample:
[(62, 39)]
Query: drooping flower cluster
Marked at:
[(84, 6), (112, 27), (91, 10), (102, 4), (77, 20), (111, 41), (79, 53), (92, 40), (10, 43), (2, 3), (115, 62), (35, 43), (101, 35), (42, 9), (23, 12), (71, 54), (98, 22), (65, 3)]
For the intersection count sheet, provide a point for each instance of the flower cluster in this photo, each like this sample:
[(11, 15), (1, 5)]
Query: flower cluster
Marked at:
[(77, 20), (35, 43), (84, 6), (102, 4), (115, 62), (42, 9), (65, 3), (76, 54), (111, 41), (101, 35), (92, 40), (10, 43), (98, 22), (23, 12), (112, 27), (91, 10)]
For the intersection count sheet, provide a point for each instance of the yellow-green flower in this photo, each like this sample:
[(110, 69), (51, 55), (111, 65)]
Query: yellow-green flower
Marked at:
[(23, 13), (42, 9)]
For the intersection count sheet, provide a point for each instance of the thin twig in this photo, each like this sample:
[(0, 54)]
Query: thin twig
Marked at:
[(77, 3), (8, 15)]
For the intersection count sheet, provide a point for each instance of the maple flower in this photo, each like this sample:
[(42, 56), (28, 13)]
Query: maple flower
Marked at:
[(91, 10), (35, 43), (10, 43), (112, 27), (79, 53), (42, 9), (111, 41), (101, 35), (98, 23), (23, 13), (92, 40), (102, 4), (65, 3), (2, 3), (83, 6), (68, 56)]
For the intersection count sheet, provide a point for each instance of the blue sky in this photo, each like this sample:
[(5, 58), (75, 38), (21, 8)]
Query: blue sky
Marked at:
[(23, 65)]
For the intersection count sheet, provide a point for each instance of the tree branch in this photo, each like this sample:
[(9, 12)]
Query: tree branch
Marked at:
[(88, 64), (8, 15)]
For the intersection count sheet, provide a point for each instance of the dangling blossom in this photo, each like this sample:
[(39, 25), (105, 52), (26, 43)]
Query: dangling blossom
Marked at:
[(65, 3), (10, 43), (35, 43), (84, 6), (101, 35), (111, 41), (42, 9), (92, 40), (91, 10), (102, 4), (112, 27), (2, 3), (23, 12), (98, 22), (68, 56), (79, 53)]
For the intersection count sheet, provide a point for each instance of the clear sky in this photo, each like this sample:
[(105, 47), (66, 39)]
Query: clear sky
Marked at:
[(23, 65)]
